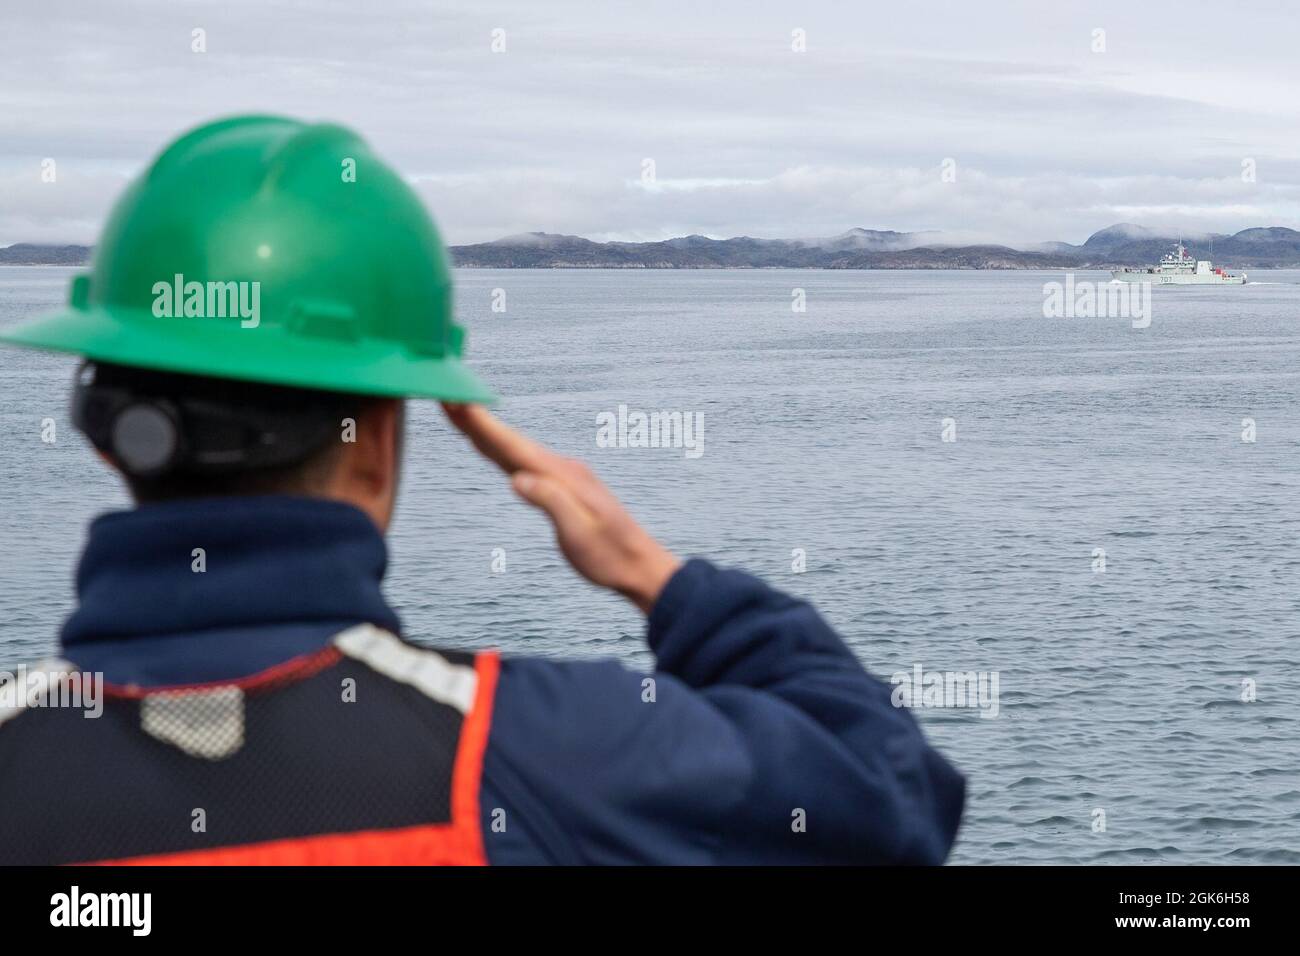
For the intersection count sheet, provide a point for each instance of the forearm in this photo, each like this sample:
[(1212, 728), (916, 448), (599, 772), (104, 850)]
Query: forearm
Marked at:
[(712, 626), (823, 737)]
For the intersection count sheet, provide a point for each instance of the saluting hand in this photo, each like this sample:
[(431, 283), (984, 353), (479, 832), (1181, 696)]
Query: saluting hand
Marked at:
[(596, 534)]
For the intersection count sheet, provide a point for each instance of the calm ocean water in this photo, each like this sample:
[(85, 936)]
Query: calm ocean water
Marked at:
[(1118, 691)]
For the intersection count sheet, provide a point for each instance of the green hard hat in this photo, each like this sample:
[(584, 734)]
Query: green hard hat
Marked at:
[(266, 249)]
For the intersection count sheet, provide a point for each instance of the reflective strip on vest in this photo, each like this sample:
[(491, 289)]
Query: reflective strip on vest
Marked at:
[(427, 671)]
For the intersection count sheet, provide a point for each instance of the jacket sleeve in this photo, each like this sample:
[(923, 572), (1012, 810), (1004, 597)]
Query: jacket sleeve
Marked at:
[(758, 739)]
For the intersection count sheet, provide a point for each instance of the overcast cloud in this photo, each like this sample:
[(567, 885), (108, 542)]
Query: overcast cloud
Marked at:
[(1050, 139)]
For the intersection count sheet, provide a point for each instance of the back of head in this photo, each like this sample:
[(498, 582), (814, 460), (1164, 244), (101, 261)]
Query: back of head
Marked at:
[(184, 436)]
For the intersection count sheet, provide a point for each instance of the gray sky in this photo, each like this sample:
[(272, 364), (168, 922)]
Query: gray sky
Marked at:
[(1050, 139)]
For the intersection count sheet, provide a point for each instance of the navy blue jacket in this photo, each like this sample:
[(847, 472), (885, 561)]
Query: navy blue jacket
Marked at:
[(766, 741)]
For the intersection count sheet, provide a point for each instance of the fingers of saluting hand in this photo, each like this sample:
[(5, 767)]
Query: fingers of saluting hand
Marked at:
[(499, 442), (556, 498), (514, 452), (598, 537)]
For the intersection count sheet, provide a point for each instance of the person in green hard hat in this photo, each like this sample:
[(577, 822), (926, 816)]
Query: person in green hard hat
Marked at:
[(262, 301)]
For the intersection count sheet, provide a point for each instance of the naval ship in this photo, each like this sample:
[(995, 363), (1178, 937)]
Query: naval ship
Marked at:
[(1178, 268)]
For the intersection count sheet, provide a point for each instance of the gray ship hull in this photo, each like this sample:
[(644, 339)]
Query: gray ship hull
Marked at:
[(1185, 278)]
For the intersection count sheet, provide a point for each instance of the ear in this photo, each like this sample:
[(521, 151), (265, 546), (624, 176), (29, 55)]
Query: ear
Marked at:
[(368, 468)]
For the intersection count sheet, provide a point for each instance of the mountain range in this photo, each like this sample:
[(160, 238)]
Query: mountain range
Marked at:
[(1124, 244)]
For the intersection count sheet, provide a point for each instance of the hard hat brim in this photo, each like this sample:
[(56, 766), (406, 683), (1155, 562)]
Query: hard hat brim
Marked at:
[(223, 349)]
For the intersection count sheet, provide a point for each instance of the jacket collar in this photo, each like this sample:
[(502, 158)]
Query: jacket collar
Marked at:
[(265, 561)]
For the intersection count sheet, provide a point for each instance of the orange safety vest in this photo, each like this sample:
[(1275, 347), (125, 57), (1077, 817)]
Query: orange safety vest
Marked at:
[(368, 751)]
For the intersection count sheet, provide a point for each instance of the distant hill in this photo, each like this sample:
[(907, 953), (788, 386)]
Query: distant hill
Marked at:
[(28, 254), (1123, 244)]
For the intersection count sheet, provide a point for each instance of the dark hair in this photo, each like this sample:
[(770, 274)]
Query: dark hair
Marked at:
[(315, 417)]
